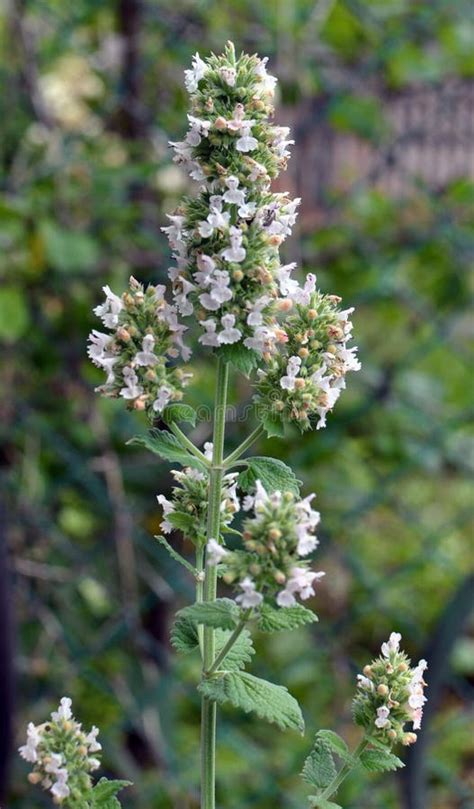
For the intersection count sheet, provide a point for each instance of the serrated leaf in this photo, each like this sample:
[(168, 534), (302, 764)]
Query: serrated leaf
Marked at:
[(272, 473), (276, 619), (269, 701), (380, 761), (181, 520), (273, 425), (336, 743), (319, 768), (240, 653), (105, 790), (223, 613), (241, 357), (184, 635), (167, 446), (179, 412)]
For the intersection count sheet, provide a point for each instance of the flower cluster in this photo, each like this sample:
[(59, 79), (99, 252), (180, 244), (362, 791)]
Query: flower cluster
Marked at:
[(390, 693), (62, 754), (225, 241), (144, 334), (303, 381), (188, 506), (276, 538)]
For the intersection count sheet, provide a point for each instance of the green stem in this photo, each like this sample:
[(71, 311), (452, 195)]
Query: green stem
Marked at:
[(199, 593), (228, 646), (208, 707), (345, 770), (235, 455), (188, 443)]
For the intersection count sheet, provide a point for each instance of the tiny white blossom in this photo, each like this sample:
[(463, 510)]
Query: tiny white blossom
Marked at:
[(249, 597), (229, 334), (392, 645), (64, 711), (215, 553), (110, 310), (382, 716), (234, 195), (193, 76), (235, 253)]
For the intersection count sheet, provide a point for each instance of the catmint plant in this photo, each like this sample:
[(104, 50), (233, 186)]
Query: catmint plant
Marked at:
[(245, 517)]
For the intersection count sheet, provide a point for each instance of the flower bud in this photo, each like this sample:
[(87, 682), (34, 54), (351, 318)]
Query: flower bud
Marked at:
[(274, 534), (409, 738), (367, 671), (303, 353), (382, 690), (123, 335), (237, 275)]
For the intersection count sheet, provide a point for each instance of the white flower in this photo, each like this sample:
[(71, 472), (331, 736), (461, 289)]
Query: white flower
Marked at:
[(262, 341), (192, 77), (210, 338), (132, 389), (229, 334), (214, 552), (287, 285), (255, 317), (164, 395), (97, 350), (94, 763), (292, 369), (110, 310), (249, 598), (208, 450), (185, 307), (364, 682), (28, 751), (246, 143), (91, 740), (60, 789), (235, 124), (235, 252), (233, 195), (228, 74), (146, 355), (302, 295), (247, 210), (300, 582), (168, 508), (268, 82), (382, 716), (64, 711), (393, 644)]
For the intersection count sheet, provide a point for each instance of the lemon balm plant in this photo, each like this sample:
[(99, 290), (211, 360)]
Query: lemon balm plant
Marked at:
[(229, 287)]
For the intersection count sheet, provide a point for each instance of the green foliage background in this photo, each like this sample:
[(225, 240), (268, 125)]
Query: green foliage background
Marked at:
[(93, 92)]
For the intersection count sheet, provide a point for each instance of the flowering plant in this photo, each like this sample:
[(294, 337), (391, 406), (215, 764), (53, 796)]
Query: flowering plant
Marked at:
[(292, 341)]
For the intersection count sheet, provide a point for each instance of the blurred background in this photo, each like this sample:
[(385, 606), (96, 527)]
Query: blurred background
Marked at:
[(380, 97)]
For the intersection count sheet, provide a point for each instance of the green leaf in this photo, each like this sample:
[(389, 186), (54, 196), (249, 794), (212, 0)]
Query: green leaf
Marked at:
[(105, 791), (380, 761), (14, 316), (335, 743), (175, 555), (322, 803), (184, 635), (167, 446), (273, 425), (319, 768), (181, 520), (272, 473), (276, 619), (240, 653), (269, 701), (223, 613), (241, 357), (179, 412)]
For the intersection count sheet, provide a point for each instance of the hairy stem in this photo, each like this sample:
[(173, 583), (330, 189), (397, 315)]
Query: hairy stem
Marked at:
[(235, 455), (208, 707), (345, 770), (199, 593), (228, 646)]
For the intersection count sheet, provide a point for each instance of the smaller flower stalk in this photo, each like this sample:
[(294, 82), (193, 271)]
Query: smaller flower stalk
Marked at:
[(390, 693), (64, 756)]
